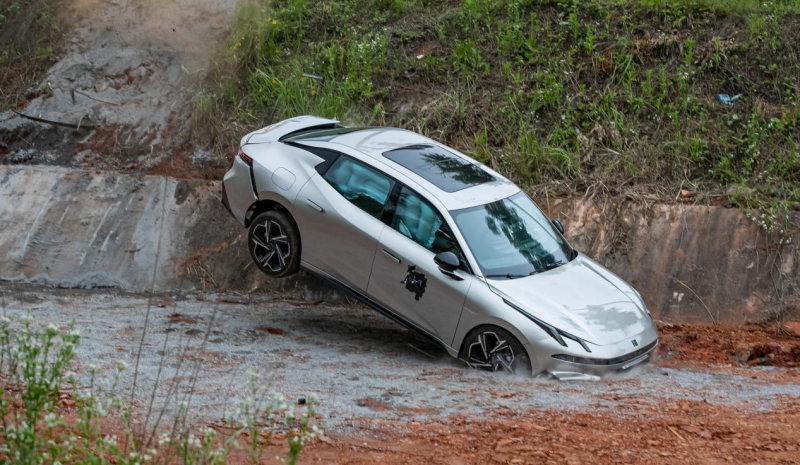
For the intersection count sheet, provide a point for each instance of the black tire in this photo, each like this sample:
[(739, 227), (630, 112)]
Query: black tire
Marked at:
[(274, 244), (491, 348)]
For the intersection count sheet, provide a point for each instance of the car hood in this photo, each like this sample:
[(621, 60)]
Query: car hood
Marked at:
[(581, 298)]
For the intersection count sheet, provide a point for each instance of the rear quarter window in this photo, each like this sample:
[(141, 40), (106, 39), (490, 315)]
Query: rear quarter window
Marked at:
[(363, 186)]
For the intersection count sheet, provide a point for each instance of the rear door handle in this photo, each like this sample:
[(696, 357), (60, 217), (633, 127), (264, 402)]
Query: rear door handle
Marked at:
[(389, 254), (314, 205)]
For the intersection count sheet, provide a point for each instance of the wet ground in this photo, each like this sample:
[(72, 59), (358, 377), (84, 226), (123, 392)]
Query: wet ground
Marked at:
[(386, 393)]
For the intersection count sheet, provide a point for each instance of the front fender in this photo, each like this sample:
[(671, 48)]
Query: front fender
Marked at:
[(484, 307)]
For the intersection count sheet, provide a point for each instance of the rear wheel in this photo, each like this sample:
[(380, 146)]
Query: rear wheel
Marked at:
[(274, 244), (491, 348)]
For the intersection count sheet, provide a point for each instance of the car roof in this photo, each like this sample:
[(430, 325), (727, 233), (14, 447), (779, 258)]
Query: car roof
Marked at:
[(398, 149)]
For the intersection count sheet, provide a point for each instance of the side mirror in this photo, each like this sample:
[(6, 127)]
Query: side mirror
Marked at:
[(558, 225), (447, 261)]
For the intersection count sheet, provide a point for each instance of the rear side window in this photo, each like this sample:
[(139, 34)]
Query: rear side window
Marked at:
[(419, 221), (363, 186)]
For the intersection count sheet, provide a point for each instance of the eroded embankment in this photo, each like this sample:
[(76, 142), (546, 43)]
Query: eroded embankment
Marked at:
[(77, 228), (691, 263), (121, 92)]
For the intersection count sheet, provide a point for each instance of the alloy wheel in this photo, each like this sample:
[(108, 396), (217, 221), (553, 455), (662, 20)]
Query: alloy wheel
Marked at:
[(490, 352), (271, 246)]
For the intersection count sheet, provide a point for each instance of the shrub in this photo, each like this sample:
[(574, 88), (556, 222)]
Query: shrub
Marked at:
[(36, 429)]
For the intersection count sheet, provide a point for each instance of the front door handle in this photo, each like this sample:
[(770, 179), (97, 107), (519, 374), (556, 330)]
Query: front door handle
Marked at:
[(314, 205), (389, 254)]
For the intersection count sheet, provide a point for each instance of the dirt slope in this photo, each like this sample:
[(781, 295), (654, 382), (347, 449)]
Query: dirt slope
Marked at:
[(126, 77)]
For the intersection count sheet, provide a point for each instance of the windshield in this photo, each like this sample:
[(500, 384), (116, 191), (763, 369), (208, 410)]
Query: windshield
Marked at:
[(512, 238)]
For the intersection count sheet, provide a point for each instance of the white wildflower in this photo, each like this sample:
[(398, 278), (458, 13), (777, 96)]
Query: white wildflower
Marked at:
[(164, 439)]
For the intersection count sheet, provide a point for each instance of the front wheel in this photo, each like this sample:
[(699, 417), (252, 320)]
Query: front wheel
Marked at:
[(274, 244), (491, 348)]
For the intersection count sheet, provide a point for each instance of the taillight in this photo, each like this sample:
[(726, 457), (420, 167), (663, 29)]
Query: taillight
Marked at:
[(245, 158)]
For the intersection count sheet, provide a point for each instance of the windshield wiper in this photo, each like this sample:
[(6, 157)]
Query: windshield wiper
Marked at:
[(548, 267), (513, 276), (507, 276)]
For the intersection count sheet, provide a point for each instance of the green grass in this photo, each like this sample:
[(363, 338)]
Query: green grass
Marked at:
[(24, 24), (29, 30), (559, 93)]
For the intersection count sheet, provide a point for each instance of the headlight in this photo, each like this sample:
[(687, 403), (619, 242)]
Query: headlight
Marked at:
[(554, 332)]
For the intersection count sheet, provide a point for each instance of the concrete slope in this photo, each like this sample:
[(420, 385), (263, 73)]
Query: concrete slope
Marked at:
[(82, 229), (77, 228)]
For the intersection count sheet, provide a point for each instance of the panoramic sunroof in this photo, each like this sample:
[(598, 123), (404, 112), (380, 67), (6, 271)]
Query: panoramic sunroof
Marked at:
[(324, 135), (440, 167)]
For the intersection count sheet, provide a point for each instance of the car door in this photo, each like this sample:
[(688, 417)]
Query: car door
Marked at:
[(339, 213), (404, 276)]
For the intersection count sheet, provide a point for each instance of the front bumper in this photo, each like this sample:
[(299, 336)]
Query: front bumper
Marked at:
[(622, 360), (574, 362), (594, 368)]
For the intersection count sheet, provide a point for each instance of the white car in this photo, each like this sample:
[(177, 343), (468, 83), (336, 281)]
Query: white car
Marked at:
[(437, 242)]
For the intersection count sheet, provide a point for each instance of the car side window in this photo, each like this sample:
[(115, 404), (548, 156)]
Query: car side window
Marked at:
[(419, 221), (363, 186)]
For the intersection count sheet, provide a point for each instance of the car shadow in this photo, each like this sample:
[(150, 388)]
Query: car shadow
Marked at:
[(359, 330)]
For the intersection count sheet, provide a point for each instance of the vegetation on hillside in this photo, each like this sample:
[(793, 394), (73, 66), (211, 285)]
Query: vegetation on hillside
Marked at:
[(614, 95), (29, 30)]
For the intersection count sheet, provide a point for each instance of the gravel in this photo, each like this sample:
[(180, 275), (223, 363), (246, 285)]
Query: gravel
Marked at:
[(361, 365)]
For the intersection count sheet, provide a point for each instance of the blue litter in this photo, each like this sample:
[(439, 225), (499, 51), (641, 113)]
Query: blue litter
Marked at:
[(728, 101)]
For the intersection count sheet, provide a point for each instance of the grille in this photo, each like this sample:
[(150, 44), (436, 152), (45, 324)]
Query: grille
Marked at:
[(607, 361)]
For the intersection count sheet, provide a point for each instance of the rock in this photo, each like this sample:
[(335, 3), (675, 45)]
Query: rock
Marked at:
[(793, 326)]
